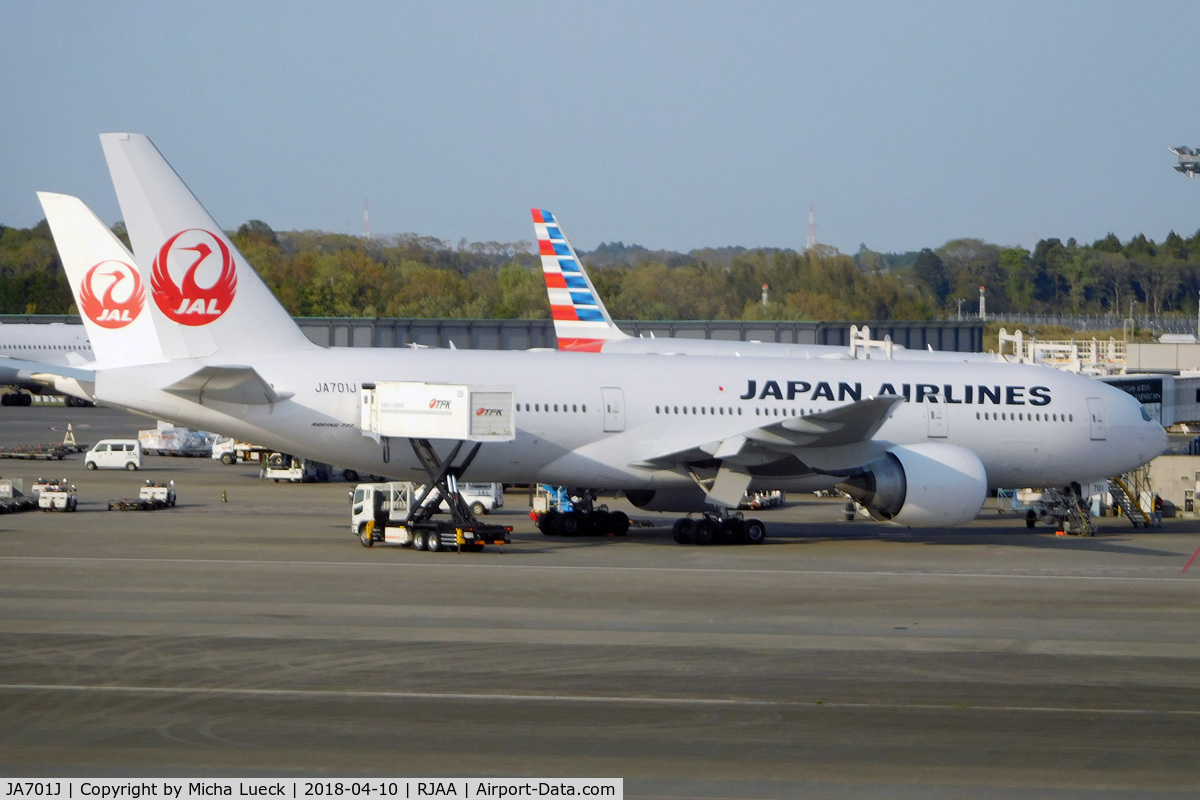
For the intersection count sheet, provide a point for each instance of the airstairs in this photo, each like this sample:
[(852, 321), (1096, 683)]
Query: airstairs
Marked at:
[(1132, 491)]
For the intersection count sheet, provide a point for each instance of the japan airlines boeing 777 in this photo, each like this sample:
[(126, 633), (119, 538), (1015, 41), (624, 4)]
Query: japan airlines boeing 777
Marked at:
[(918, 443)]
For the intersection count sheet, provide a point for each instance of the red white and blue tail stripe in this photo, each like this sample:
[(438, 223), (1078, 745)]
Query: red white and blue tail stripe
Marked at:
[(581, 322)]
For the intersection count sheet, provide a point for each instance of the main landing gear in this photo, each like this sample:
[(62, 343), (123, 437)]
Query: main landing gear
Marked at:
[(718, 527)]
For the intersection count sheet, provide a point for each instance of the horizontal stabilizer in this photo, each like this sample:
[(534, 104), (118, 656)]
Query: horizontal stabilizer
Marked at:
[(23, 369), (228, 384)]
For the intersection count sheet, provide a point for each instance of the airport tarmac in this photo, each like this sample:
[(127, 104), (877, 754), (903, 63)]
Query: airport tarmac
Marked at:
[(247, 633)]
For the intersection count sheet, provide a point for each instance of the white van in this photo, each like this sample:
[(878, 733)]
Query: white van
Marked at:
[(114, 454), (483, 498)]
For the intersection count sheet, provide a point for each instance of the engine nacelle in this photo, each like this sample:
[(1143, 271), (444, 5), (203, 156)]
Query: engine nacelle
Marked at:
[(922, 485), (684, 498)]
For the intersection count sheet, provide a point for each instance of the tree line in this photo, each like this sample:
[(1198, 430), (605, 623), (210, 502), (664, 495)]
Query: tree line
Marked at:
[(323, 274)]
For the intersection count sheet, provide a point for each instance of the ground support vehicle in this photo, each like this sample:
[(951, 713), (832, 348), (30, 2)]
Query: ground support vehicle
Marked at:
[(13, 499), (46, 452), (58, 497), (150, 497), (170, 440), (559, 511), (483, 498), (286, 467), (230, 451), (1063, 509), (114, 454), (760, 500), (402, 512)]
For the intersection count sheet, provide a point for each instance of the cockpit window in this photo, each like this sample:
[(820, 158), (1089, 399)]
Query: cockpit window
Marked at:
[(1146, 415)]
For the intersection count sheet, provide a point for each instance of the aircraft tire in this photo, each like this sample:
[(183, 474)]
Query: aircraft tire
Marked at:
[(681, 531), (567, 524), (729, 531), (545, 523), (753, 531), (704, 532)]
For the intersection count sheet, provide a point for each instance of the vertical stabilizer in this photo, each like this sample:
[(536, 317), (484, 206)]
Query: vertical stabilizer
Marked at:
[(109, 289), (201, 289), (581, 322)]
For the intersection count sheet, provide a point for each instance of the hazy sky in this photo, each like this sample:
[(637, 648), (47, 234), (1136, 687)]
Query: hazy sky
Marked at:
[(671, 125)]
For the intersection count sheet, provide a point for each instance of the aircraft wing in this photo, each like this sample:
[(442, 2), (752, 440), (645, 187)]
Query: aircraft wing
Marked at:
[(845, 425), (228, 384)]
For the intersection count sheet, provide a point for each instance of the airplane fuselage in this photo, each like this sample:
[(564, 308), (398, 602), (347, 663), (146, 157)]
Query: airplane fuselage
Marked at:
[(588, 420)]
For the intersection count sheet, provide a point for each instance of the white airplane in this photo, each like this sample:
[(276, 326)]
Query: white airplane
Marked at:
[(28, 350), (582, 322), (918, 443)]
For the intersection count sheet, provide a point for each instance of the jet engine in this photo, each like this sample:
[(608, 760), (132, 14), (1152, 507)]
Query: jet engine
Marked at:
[(684, 498), (929, 484)]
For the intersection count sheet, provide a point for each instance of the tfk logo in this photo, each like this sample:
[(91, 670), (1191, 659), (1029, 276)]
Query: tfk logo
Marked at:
[(489, 412), (123, 295), (201, 257), (439, 405)]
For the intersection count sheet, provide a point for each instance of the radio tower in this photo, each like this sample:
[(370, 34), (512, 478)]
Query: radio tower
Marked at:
[(367, 218), (812, 229)]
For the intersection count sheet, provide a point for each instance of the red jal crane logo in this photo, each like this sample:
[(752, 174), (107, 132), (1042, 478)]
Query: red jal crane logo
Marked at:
[(106, 310), (201, 256)]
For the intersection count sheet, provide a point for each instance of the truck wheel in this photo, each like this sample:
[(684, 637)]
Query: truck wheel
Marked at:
[(753, 531), (681, 531), (365, 534), (478, 508), (618, 523), (545, 523), (704, 532), (91, 465), (131, 466), (434, 542), (419, 542), (569, 523), (227, 459), (1030, 518)]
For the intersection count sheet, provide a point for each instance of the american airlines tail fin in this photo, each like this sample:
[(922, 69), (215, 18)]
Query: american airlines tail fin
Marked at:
[(581, 322), (204, 296), (107, 284)]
